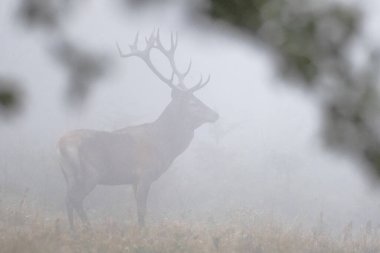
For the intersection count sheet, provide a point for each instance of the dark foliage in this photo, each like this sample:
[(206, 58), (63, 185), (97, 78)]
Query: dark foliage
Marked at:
[(314, 44)]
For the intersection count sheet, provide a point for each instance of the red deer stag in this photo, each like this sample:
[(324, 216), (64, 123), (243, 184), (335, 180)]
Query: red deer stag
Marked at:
[(136, 155)]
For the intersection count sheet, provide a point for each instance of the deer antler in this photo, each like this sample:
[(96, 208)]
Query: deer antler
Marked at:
[(154, 42)]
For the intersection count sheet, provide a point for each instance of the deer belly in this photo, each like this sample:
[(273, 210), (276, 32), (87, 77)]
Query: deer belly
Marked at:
[(117, 177), (115, 170), (114, 166)]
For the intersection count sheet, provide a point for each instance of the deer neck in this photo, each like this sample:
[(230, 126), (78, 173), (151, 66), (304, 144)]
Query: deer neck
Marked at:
[(174, 131)]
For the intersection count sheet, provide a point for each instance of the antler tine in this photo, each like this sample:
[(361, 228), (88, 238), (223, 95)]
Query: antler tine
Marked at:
[(200, 84), (172, 77), (161, 47), (133, 46), (136, 39), (157, 38), (150, 41), (188, 69), (121, 53), (206, 82), (119, 49), (174, 42), (181, 76)]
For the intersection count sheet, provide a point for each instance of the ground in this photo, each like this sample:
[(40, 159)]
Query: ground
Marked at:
[(26, 229)]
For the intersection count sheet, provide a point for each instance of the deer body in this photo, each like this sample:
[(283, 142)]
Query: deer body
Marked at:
[(135, 155)]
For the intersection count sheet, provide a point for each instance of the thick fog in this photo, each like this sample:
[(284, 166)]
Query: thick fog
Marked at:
[(265, 154)]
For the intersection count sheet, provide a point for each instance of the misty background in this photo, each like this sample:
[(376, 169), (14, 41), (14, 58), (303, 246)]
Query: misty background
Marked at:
[(266, 156)]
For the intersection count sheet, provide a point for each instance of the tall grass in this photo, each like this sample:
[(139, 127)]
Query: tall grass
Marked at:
[(23, 229)]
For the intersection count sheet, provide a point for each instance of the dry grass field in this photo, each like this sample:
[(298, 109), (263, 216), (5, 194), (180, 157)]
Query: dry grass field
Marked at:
[(23, 229)]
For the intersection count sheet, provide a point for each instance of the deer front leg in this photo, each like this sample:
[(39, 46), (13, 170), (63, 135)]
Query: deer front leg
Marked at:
[(141, 195)]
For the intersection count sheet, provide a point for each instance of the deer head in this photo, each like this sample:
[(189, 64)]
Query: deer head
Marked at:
[(184, 105)]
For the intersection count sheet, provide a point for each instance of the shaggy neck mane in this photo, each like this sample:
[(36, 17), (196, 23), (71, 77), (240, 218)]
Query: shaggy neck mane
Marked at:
[(173, 130)]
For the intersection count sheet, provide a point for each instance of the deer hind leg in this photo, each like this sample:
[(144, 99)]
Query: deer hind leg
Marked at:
[(70, 213), (81, 213), (69, 206), (68, 173), (79, 185), (76, 195)]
